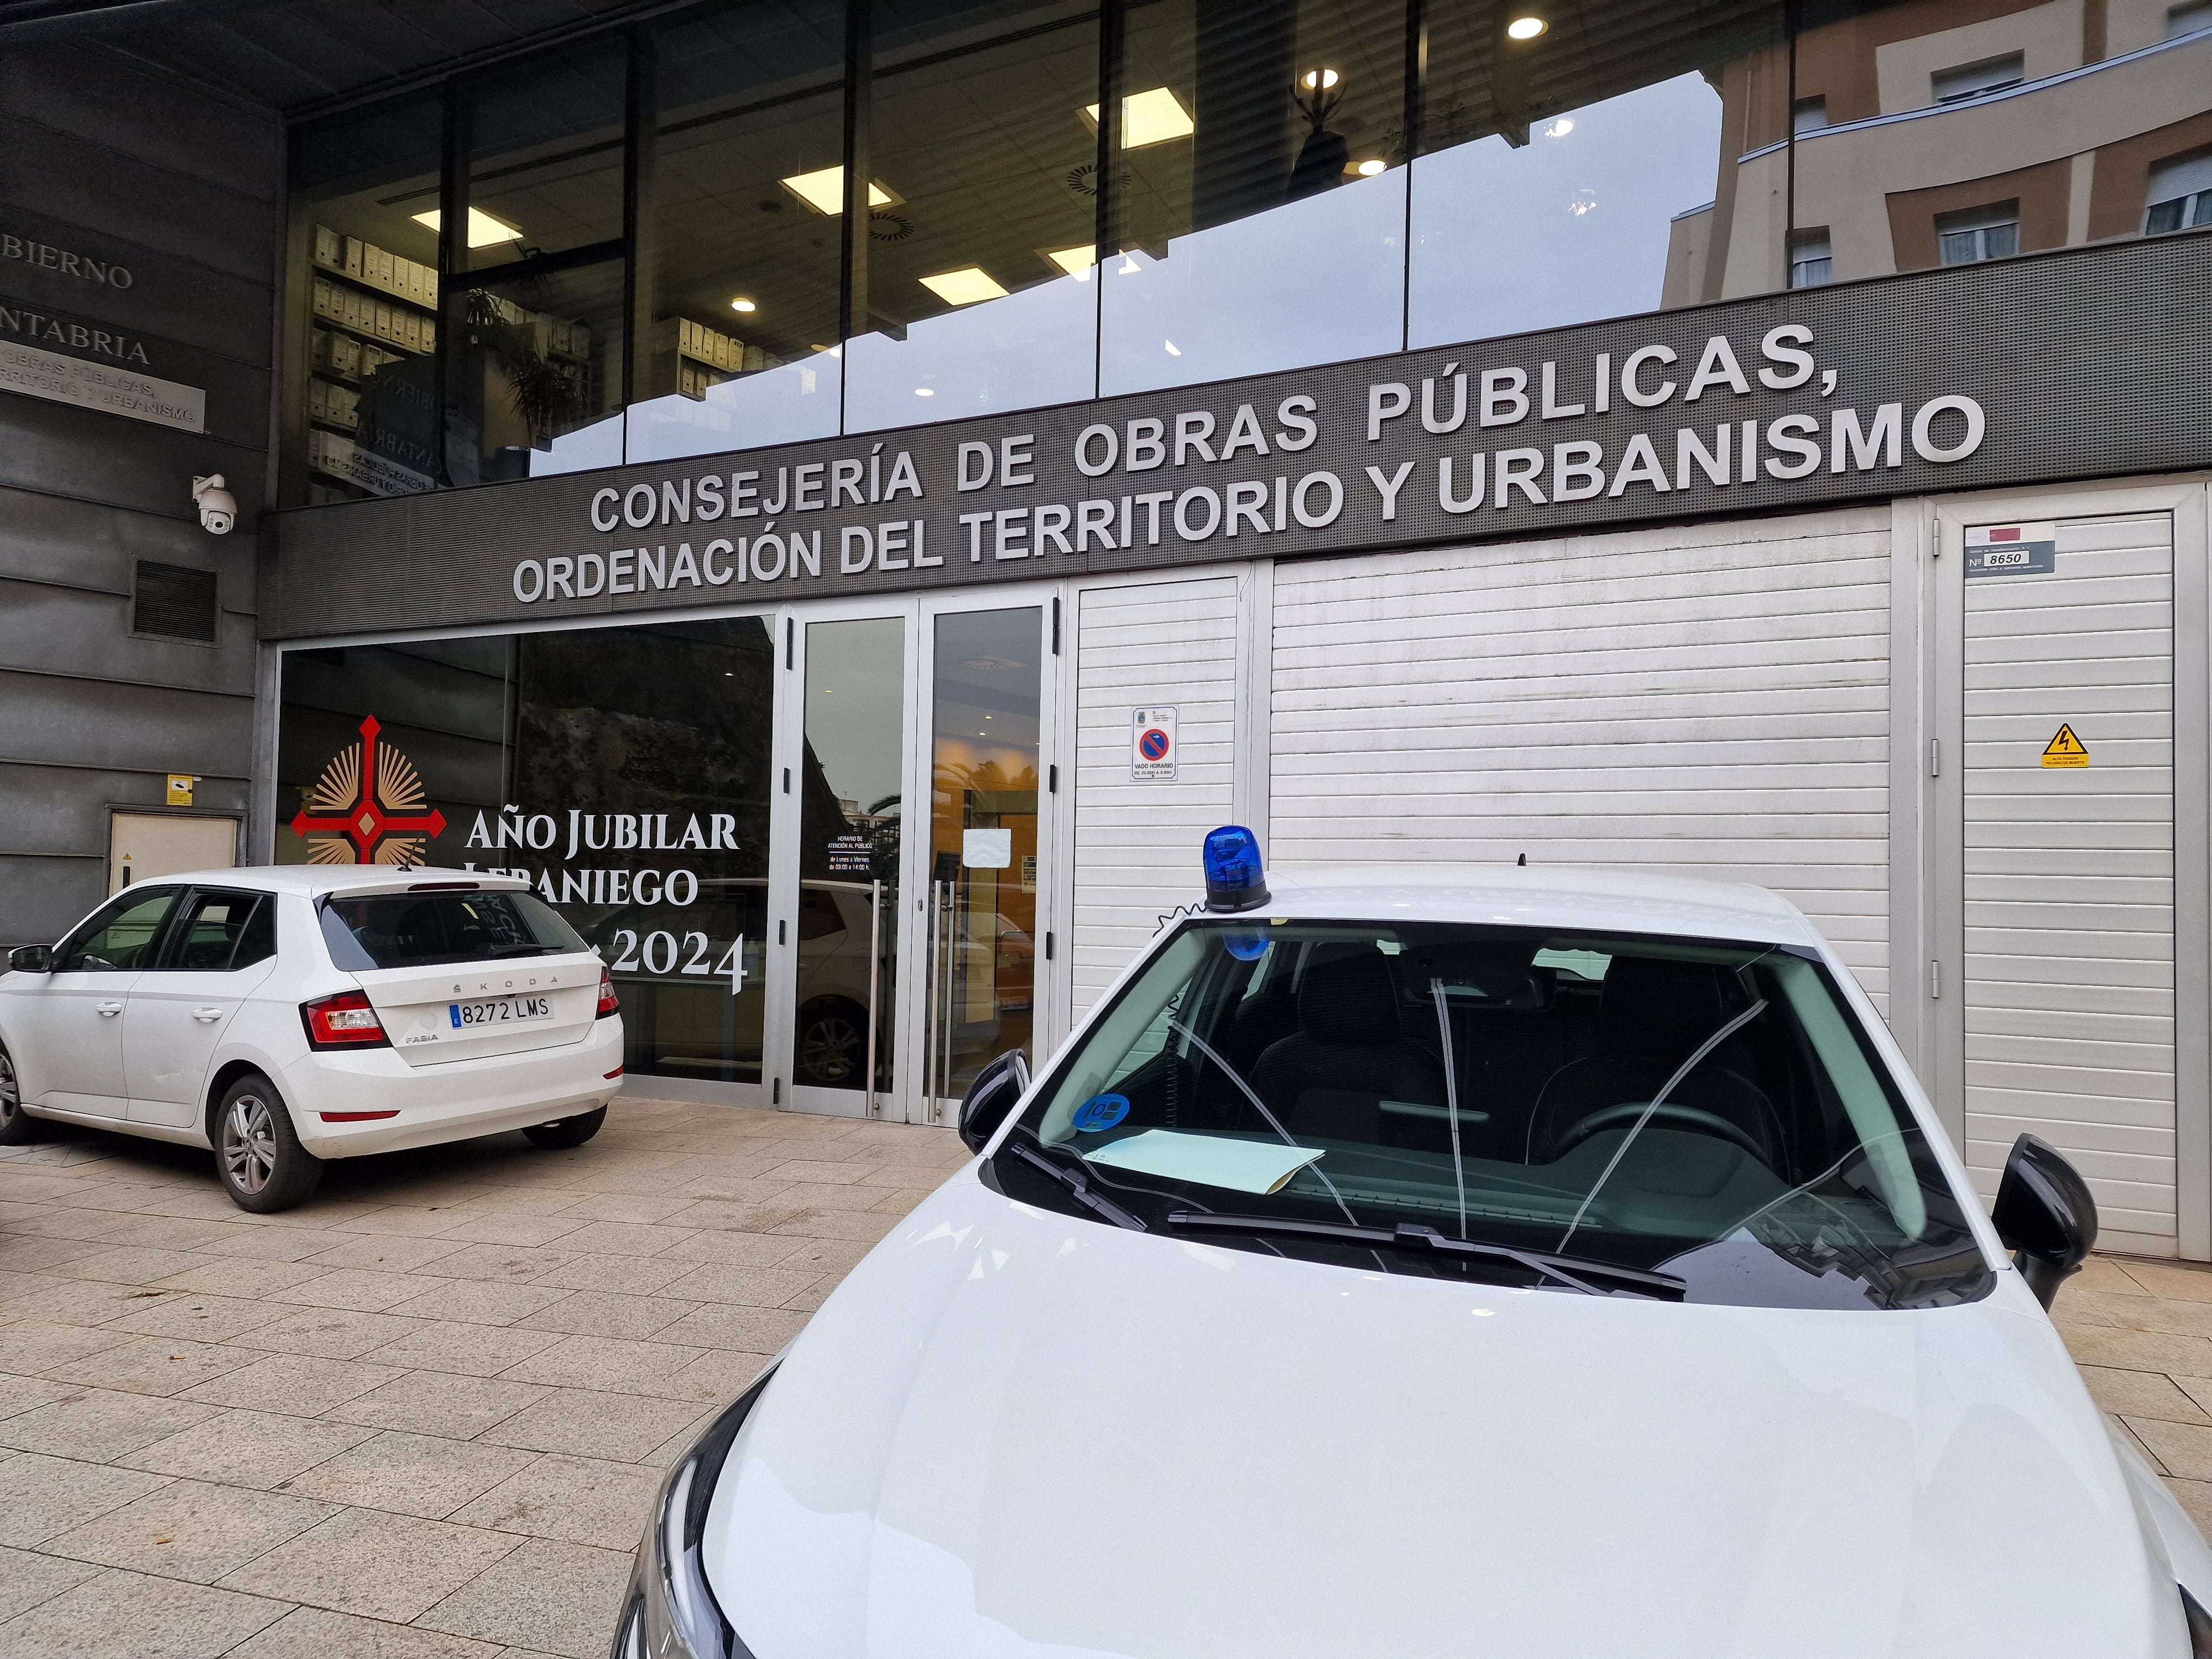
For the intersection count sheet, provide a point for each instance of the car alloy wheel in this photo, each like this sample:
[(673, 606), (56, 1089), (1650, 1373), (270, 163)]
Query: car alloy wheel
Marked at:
[(829, 1049), (249, 1143)]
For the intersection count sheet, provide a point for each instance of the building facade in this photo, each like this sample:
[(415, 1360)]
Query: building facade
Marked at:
[(137, 279), (842, 497)]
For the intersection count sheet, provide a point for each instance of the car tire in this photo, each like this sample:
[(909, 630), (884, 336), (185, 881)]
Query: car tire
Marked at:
[(833, 1045), (17, 1127), (567, 1131), (264, 1167)]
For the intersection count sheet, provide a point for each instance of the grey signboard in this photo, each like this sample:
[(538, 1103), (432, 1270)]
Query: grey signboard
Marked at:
[(2064, 366)]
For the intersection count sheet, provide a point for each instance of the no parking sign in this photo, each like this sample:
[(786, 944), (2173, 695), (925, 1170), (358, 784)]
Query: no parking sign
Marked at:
[(1151, 745)]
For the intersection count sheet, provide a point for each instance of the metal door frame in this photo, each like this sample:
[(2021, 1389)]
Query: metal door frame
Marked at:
[(915, 973), (893, 1103), (1929, 708)]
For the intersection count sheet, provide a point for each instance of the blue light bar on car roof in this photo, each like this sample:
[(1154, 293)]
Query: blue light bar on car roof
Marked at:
[(1234, 877)]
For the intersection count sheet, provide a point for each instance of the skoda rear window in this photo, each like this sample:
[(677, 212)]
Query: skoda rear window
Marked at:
[(425, 930)]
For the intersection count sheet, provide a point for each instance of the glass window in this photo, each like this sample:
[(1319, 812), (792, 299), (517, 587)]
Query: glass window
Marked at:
[(1571, 175), (423, 930), (218, 933), (540, 380), (849, 803), (1262, 215), (362, 417), (1685, 1119), (1812, 261), (1977, 80), (2180, 195), (436, 712), (983, 839), (1978, 233), (623, 772), (743, 350), (546, 155), (978, 252), (121, 934)]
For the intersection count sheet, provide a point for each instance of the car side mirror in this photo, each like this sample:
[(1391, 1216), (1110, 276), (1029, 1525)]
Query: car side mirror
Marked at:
[(997, 1087), (31, 959), (2045, 1212)]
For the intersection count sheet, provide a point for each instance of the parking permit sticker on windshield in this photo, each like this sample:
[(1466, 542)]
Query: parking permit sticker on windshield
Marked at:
[(1100, 1112)]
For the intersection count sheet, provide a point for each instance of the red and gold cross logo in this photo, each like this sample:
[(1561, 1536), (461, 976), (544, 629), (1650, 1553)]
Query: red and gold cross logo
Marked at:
[(367, 808)]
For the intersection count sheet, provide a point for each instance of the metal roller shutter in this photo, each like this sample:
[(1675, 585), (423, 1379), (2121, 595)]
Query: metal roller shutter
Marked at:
[(2068, 999), (1170, 643), (1709, 700)]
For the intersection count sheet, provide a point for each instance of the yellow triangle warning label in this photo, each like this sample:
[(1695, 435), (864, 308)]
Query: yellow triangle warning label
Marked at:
[(2065, 750)]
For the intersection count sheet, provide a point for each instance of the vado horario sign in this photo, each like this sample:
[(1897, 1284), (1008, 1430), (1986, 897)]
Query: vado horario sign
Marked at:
[(2005, 373)]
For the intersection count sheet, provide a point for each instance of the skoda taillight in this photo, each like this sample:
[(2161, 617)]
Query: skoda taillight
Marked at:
[(608, 1003), (343, 1021)]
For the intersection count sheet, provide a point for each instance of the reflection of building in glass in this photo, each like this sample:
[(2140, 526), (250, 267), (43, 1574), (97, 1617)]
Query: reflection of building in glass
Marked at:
[(1929, 134)]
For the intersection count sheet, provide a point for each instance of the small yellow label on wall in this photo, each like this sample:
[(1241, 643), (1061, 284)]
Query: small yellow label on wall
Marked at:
[(180, 788), (2065, 750)]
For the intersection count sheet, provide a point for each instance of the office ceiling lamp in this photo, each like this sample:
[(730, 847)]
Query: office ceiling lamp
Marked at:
[(1325, 156)]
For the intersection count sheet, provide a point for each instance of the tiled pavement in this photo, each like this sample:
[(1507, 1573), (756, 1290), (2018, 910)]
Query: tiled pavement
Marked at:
[(422, 1416)]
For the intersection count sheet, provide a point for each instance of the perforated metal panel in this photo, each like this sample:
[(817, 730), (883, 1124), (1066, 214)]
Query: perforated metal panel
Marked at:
[(2069, 970), (1709, 702)]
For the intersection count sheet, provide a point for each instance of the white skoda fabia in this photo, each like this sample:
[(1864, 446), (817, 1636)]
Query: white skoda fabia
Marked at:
[(1501, 1264), (288, 1015)]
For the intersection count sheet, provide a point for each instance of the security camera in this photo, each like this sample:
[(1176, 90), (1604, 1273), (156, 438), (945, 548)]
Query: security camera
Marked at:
[(218, 508)]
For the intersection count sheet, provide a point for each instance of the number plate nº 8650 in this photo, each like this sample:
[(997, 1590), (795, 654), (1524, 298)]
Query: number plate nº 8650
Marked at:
[(499, 1011)]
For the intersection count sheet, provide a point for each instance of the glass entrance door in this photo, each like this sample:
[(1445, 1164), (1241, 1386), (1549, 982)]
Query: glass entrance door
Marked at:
[(851, 789), (984, 952), (905, 961)]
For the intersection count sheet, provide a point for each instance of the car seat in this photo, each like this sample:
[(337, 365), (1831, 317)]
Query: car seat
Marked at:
[(1330, 1078), (1652, 1016)]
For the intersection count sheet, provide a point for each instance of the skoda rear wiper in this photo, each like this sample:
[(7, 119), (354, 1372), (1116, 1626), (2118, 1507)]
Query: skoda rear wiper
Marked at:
[(1081, 1188), (1574, 1272)]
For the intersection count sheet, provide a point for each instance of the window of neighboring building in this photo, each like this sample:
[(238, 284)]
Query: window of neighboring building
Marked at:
[(2180, 195), (1979, 80), (1812, 264), (2187, 19), (1808, 115), (1979, 233)]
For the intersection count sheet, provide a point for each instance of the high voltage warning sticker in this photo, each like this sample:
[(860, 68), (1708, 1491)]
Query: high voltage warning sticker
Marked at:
[(2065, 750)]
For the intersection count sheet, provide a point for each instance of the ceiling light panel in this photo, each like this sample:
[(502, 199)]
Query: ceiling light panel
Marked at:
[(964, 286), (1150, 118), (823, 190), (1073, 260), (484, 231)]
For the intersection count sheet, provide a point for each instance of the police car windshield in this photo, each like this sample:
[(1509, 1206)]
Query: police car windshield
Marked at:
[(1707, 1110)]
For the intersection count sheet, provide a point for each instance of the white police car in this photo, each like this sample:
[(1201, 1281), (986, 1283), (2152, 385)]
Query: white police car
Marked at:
[(1517, 1262)]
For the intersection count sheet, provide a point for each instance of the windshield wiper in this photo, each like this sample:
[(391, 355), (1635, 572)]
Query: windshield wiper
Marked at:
[(1574, 1272), (1729, 1029), (1077, 1185)]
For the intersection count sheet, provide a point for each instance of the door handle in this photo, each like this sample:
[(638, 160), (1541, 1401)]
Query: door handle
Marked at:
[(204, 1015), (109, 1009)]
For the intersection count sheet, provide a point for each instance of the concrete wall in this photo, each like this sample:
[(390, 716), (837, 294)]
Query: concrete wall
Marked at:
[(121, 167)]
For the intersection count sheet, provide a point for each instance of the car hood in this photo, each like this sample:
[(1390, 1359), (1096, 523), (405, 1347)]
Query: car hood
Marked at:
[(1011, 1433)]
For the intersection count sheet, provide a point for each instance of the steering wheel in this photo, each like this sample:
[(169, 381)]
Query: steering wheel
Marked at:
[(1695, 1119)]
